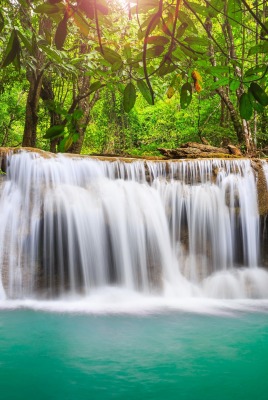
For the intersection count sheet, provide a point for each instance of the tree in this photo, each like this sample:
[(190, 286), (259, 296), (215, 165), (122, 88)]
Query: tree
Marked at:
[(175, 42)]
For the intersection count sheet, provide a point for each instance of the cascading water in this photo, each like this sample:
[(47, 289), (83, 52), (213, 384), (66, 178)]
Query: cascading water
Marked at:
[(73, 225)]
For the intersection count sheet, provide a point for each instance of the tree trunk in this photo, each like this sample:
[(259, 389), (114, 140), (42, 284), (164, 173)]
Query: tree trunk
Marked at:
[(238, 73), (235, 118), (31, 115), (233, 114), (86, 106), (35, 79), (47, 95)]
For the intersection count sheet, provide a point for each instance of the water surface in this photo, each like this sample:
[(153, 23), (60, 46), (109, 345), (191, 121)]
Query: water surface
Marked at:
[(172, 355)]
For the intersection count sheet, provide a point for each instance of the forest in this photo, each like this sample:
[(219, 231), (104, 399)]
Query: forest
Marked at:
[(129, 77)]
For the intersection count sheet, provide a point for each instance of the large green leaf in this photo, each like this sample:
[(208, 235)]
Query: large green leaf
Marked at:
[(157, 40), (16, 62), (196, 40), (12, 49), (81, 23), (168, 24), (127, 51), (61, 33), (181, 29), (145, 92), (2, 22), (264, 31), (219, 83), (184, 18), (155, 51), (95, 86), (65, 144), (245, 107), (53, 54), (152, 21), (218, 71), (117, 65), (189, 53), (255, 70), (102, 7), (75, 137), (178, 55), (129, 97), (176, 81), (186, 95), (54, 132), (77, 114), (256, 106), (259, 48), (88, 7), (234, 84), (47, 8), (27, 43), (110, 55), (166, 68), (259, 94)]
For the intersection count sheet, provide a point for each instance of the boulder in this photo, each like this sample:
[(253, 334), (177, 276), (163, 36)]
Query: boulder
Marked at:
[(234, 150)]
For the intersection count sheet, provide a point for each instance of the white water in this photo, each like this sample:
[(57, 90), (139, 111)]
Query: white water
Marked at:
[(156, 231)]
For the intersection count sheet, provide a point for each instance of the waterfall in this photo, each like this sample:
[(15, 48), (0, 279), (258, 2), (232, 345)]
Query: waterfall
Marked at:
[(73, 225)]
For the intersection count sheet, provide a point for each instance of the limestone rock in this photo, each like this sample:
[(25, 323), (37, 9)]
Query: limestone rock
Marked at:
[(234, 150), (261, 187), (199, 150)]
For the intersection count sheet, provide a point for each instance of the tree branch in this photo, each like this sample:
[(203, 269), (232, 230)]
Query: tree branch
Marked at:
[(144, 59), (264, 27)]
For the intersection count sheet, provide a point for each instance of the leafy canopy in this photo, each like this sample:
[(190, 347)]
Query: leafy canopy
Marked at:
[(148, 41)]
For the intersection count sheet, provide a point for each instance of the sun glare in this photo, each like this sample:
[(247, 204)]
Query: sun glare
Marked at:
[(125, 4)]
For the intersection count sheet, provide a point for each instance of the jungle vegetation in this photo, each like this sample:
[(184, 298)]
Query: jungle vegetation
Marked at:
[(129, 76)]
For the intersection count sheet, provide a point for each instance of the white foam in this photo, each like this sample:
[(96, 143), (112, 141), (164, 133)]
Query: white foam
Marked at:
[(120, 301)]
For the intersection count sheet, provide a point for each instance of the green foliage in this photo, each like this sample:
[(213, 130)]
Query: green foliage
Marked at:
[(12, 112), (61, 33), (129, 97), (54, 132), (146, 128), (245, 107), (145, 91), (48, 8), (150, 55), (12, 52), (2, 22), (259, 94), (186, 95), (111, 56)]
